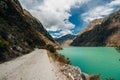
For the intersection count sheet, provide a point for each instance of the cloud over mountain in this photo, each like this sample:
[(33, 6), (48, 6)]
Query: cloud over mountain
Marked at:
[(60, 17), (100, 11), (53, 14)]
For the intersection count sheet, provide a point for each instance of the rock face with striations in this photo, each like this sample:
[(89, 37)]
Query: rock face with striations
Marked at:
[(101, 32), (20, 32)]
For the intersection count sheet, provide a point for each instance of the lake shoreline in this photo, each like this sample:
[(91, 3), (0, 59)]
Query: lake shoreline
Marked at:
[(109, 52)]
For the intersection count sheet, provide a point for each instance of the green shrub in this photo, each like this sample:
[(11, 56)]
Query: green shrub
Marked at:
[(3, 45), (50, 48), (26, 51)]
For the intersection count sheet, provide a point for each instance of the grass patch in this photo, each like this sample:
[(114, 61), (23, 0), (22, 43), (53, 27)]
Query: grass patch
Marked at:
[(58, 57)]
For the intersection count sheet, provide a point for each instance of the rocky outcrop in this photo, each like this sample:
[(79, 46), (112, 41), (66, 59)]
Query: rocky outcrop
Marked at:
[(65, 40), (20, 32), (101, 32), (74, 73)]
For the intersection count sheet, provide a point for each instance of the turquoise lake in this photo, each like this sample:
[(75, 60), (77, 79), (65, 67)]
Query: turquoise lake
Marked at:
[(95, 60)]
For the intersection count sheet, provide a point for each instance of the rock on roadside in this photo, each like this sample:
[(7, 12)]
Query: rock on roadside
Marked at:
[(74, 73)]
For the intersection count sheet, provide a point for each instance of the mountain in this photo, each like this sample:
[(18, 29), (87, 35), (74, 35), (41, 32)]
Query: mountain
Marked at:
[(65, 40), (101, 32), (20, 32)]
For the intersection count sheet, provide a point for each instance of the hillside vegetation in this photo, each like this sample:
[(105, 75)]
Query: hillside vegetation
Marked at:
[(20, 32)]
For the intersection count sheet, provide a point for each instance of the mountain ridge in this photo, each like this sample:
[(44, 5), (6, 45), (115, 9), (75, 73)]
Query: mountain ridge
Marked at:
[(104, 33)]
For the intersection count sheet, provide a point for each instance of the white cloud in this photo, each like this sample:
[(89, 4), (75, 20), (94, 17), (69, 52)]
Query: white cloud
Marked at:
[(53, 14), (114, 3), (100, 11)]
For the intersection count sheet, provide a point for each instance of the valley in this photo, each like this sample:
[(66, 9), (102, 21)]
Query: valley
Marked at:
[(42, 40)]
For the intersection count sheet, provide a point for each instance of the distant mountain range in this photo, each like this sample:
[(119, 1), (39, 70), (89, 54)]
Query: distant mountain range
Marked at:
[(101, 32), (65, 40), (20, 32)]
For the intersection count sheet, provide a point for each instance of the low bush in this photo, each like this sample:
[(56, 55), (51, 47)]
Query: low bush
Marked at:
[(4, 45), (50, 48)]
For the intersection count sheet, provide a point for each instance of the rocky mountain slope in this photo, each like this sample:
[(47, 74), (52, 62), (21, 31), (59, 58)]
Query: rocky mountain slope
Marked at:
[(20, 32), (65, 40), (101, 32)]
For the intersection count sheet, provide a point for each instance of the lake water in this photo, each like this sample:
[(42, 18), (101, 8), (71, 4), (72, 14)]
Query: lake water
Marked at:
[(95, 60)]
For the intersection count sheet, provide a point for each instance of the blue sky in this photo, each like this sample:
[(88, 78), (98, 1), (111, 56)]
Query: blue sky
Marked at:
[(61, 17)]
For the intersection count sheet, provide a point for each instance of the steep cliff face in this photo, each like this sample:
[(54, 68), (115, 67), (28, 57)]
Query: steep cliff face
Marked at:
[(20, 32), (101, 32), (65, 40)]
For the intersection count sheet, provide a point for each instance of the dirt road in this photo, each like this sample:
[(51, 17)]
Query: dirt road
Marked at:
[(33, 66)]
